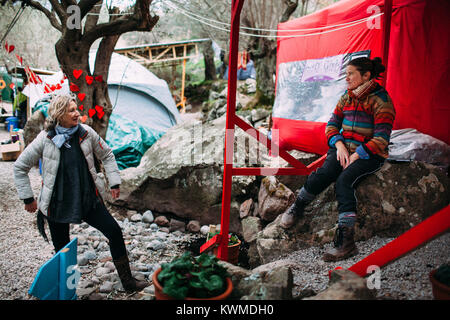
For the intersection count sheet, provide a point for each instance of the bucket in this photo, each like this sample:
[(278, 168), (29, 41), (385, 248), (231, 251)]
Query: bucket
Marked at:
[(11, 121)]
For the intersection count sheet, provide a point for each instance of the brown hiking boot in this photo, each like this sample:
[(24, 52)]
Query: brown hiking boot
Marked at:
[(291, 215), (344, 245), (128, 282)]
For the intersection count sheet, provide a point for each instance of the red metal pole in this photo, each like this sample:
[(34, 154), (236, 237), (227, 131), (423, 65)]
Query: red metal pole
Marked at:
[(386, 36), (236, 8)]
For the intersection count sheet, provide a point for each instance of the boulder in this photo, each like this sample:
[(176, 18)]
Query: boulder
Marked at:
[(345, 285), (250, 228), (390, 202), (275, 284), (177, 225), (193, 226), (273, 198), (246, 208)]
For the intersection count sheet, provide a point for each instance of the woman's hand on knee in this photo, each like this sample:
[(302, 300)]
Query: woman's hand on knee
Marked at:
[(342, 154)]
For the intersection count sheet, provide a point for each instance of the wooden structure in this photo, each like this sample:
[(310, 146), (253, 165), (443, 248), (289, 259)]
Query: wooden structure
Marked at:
[(172, 54)]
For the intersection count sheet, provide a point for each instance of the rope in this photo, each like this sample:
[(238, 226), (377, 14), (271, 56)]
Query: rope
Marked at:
[(14, 21), (193, 15)]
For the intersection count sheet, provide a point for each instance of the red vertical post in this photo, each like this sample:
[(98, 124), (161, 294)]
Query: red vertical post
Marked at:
[(236, 8), (386, 36)]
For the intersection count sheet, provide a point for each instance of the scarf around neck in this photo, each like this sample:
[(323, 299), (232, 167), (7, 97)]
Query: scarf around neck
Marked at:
[(63, 135), (363, 90)]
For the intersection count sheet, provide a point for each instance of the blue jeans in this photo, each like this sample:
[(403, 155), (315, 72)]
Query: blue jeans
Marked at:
[(346, 180)]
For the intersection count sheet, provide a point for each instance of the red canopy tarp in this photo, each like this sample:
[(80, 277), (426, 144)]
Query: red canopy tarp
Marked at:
[(418, 65)]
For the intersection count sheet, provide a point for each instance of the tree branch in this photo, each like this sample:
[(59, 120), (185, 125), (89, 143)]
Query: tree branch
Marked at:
[(50, 15), (58, 8), (141, 20), (291, 6), (86, 6), (91, 20)]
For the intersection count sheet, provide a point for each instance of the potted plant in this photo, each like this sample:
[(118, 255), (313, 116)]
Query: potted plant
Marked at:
[(440, 282), (192, 278), (234, 245)]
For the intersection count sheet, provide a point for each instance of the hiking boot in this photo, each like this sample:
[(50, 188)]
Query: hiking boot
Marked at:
[(128, 282), (294, 212), (344, 245)]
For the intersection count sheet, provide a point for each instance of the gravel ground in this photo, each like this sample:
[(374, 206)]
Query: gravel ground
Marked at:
[(404, 279), (23, 251)]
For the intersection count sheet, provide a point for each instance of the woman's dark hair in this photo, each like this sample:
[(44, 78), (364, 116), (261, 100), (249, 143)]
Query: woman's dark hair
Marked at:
[(365, 64)]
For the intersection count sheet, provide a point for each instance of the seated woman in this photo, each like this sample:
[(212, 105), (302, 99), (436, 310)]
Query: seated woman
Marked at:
[(71, 190), (358, 134)]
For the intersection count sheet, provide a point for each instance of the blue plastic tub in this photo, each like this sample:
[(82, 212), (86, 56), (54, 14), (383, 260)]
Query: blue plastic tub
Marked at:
[(14, 121)]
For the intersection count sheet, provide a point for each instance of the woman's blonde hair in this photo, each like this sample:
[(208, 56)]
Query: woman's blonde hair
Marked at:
[(58, 107)]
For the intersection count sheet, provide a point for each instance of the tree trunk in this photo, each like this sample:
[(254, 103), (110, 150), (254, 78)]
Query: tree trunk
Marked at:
[(208, 56), (263, 54), (75, 56)]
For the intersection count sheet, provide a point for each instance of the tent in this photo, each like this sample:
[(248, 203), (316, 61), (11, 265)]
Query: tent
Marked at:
[(143, 107), (314, 50)]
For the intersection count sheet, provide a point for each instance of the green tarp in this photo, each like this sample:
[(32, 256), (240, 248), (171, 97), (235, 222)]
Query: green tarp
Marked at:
[(129, 140)]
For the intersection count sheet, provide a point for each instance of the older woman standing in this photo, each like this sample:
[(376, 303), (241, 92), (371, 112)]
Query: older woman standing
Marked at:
[(72, 191), (358, 134)]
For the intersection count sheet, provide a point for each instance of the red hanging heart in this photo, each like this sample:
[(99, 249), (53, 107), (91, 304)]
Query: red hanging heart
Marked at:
[(9, 48), (100, 114), (74, 87), (99, 108), (99, 78), (81, 96), (83, 118), (19, 58), (58, 87), (81, 107), (77, 73), (91, 112), (52, 87), (89, 80)]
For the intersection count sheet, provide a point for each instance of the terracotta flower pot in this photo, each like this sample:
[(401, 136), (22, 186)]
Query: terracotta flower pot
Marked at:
[(160, 295), (440, 290), (233, 252)]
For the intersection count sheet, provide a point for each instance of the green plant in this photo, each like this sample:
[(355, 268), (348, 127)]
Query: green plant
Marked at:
[(196, 277), (443, 274), (232, 238)]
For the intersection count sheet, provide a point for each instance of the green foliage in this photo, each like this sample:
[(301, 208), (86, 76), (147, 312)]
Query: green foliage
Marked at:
[(232, 238), (197, 277), (443, 274)]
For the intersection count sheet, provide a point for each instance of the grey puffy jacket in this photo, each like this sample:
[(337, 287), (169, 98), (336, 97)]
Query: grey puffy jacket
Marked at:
[(43, 147)]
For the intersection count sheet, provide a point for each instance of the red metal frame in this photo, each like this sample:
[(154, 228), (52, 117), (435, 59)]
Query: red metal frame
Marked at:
[(233, 120)]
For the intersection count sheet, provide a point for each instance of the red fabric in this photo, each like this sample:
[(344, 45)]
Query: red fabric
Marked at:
[(418, 67), (302, 135)]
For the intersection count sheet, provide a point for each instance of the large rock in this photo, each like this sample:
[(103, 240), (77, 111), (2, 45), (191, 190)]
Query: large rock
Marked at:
[(274, 198), (390, 202), (182, 173), (345, 285)]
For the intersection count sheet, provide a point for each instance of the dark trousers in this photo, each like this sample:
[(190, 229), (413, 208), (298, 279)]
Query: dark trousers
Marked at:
[(346, 180), (99, 218)]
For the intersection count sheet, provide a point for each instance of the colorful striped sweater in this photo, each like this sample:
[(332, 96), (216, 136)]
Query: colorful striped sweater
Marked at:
[(363, 122)]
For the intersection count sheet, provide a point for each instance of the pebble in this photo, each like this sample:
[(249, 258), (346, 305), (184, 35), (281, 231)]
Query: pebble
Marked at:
[(90, 255), (148, 217), (136, 217), (204, 230)]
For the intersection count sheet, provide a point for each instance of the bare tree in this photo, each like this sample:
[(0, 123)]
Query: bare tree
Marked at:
[(260, 14), (74, 44)]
